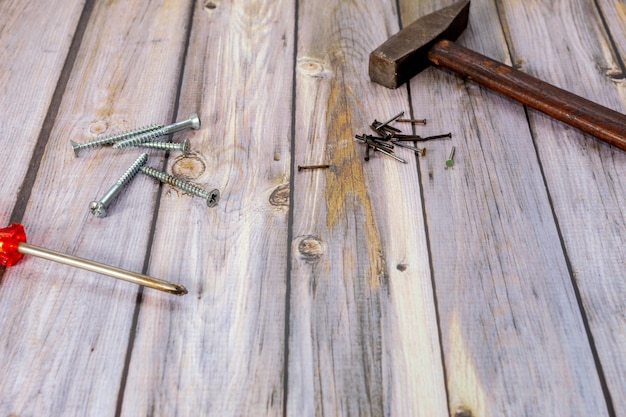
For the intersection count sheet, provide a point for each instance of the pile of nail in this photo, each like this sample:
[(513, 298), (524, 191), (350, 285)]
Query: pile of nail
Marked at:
[(145, 138), (389, 136)]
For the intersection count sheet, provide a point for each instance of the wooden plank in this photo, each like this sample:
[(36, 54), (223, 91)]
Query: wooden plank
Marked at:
[(514, 340), (65, 332), (610, 52), (221, 351), (34, 42), (589, 190), (363, 336)]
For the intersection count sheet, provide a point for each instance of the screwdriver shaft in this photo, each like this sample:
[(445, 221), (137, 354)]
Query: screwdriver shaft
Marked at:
[(135, 278)]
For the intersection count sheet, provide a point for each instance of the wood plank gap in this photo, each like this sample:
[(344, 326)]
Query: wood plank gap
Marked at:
[(583, 313), (429, 250), (23, 196), (26, 188), (594, 351), (616, 55), (507, 33), (155, 216), (290, 218)]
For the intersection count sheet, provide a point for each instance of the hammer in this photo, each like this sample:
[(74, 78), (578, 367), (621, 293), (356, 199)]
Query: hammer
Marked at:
[(429, 40)]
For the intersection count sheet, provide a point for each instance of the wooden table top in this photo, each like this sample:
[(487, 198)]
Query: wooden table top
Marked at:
[(492, 288)]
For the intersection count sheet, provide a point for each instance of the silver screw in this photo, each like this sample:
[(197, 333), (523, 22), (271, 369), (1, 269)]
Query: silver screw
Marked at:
[(108, 140), (211, 197), (193, 122), (450, 160), (184, 146), (99, 207)]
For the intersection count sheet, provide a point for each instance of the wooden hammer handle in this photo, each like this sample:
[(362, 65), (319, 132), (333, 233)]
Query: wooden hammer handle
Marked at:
[(590, 117)]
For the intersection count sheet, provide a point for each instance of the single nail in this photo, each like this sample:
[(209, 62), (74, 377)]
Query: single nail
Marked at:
[(184, 146), (375, 141), (367, 152), (193, 122), (450, 160), (393, 118), (301, 167), (99, 207), (421, 151), (397, 158), (414, 138), (414, 121), (378, 126), (447, 135), (111, 139), (212, 197)]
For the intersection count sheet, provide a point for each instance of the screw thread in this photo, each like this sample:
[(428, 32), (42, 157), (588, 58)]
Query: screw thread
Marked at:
[(176, 182), (133, 170), (140, 138), (211, 197), (184, 146), (107, 140)]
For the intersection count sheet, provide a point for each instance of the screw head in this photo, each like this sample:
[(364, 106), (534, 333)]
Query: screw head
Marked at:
[(97, 209), (186, 147), (75, 147), (213, 198), (195, 121)]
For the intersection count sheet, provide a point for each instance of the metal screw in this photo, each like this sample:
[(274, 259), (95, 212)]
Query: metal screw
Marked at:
[(212, 197), (450, 160), (193, 122), (98, 207), (108, 140), (184, 146)]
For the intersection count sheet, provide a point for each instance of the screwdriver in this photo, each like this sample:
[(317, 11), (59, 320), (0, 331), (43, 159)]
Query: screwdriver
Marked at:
[(13, 247)]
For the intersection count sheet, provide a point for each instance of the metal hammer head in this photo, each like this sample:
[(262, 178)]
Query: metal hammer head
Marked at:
[(406, 53)]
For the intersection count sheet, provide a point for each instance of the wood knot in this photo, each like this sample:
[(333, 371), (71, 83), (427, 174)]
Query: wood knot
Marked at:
[(463, 412), (97, 127), (188, 167), (280, 196), (209, 5), (401, 267), (312, 68), (310, 248)]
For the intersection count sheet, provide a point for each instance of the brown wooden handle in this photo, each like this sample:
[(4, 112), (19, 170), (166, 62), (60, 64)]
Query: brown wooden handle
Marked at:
[(599, 121)]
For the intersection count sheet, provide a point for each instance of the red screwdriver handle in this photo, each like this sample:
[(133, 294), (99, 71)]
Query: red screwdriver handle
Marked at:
[(10, 238)]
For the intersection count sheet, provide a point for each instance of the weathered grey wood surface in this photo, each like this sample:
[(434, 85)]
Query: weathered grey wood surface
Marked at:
[(492, 288)]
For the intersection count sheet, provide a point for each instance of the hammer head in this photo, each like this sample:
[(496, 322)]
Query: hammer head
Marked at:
[(406, 53)]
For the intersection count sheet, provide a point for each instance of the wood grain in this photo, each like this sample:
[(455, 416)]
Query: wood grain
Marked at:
[(221, 351), (65, 331), (31, 62), (588, 202), (509, 316), (360, 284), (491, 288)]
